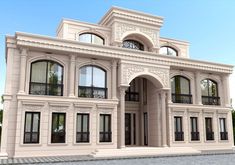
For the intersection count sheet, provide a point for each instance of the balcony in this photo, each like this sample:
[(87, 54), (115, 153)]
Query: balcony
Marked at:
[(179, 136), (210, 136), (210, 100), (195, 136), (181, 98), (46, 89), (132, 96), (92, 92), (223, 135)]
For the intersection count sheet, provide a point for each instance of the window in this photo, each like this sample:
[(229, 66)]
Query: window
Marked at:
[(166, 50), (91, 38), (105, 128), (180, 90), (83, 133), (179, 134), (209, 129), (132, 44), (223, 132), (131, 92), (209, 92), (194, 129), (32, 127), (46, 78), (92, 82), (58, 128)]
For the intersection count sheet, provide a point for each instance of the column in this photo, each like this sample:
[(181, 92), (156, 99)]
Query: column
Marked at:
[(159, 117), (23, 57), (121, 123), (163, 103), (198, 88), (114, 79), (6, 106), (226, 93), (72, 76)]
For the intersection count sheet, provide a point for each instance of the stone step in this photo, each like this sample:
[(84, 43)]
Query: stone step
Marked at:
[(144, 151)]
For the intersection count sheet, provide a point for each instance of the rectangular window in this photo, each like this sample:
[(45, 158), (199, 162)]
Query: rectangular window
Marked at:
[(105, 128), (209, 129), (223, 132), (58, 128), (145, 91), (179, 134), (83, 133), (194, 129), (32, 127)]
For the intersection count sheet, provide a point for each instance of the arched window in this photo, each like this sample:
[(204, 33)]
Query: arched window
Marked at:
[(91, 38), (166, 50), (46, 78), (92, 82), (209, 90), (180, 90), (132, 44)]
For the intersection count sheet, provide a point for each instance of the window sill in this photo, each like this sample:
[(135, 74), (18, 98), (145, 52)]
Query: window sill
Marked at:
[(57, 144), (31, 144), (105, 143), (82, 144)]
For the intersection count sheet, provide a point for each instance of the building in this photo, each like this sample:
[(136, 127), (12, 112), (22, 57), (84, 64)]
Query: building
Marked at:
[(111, 85)]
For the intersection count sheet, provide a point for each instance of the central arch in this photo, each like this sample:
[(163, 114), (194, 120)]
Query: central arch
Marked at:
[(144, 99)]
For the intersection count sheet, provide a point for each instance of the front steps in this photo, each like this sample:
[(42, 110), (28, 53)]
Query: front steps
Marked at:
[(144, 151)]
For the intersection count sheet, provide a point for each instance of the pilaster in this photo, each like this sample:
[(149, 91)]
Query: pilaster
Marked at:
[(23, 58), (71, 76)]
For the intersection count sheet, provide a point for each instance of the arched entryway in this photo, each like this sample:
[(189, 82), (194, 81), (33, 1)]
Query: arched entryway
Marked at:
[(143, 105)]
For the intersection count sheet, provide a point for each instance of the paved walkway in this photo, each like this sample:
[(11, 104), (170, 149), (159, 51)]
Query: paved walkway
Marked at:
[(89, 160)]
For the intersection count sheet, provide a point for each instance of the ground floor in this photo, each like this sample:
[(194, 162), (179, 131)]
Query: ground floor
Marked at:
[(50, 126)]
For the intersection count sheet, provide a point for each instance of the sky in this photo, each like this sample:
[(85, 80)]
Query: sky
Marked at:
[(208, 25)]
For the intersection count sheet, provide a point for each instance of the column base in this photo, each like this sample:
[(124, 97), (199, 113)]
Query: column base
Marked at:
[(3, 155), (21, 93), (71, 95), (165, 146), (121, 147)]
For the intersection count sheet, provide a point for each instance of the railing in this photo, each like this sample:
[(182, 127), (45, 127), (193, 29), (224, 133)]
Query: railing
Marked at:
[(105, 136), (179, 136), (210, 136), (132, 96), (210, 100), (83, 137), (181, 98), (194, 136), (46, 89), (92, 92), (223, 135), (58, 137)]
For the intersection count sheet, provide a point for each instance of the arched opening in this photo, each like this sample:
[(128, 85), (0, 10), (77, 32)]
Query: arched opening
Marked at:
[(144, 100)]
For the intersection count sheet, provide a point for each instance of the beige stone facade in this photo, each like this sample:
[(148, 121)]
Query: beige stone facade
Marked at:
[(147, 115)]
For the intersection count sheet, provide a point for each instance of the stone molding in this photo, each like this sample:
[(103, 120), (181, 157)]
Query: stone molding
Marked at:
[(43, 42)]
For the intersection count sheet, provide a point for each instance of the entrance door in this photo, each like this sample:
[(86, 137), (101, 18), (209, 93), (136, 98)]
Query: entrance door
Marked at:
[(127, 129), (145, 128)]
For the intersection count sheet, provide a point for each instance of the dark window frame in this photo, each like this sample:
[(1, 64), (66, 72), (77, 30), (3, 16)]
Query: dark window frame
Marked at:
[(179, 134), (169, 47), (224, 134), (208, 99), (92, 88), (83, 140), (209, 129), (178, 97), (134, 42), (47, 85), (132, 95), (31, 127), (57, 125), (109, 132), (92, 34), (195, 135)]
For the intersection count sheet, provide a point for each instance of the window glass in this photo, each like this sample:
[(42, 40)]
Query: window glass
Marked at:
[(85, 38), (58, 128), (222, 125), (98, 77), (209, 88), (31, 129), (39, 72), (92, 82), (79, 121), (165, 50), (132, 44), (46, 78), (91, 38)]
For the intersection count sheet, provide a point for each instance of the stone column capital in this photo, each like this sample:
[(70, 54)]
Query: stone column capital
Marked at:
[(24, 51)]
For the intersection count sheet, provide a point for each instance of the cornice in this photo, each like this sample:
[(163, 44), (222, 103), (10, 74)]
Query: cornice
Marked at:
[(68, 46), (163, 39), (134, 16)]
